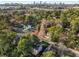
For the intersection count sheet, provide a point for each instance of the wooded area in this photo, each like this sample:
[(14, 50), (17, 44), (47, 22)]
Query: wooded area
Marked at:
[(38, 32)]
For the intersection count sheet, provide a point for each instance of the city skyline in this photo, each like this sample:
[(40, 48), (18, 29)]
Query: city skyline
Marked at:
[(43, 1)]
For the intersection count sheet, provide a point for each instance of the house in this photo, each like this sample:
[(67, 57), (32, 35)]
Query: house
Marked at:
[(39, 48)]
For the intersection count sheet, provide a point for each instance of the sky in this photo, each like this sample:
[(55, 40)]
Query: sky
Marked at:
[(31, 1)]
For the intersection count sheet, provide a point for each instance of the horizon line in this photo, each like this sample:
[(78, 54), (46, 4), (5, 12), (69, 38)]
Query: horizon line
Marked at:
[(27, 2)]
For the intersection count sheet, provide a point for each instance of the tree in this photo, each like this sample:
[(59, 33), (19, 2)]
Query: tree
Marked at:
[(23, 46), (74, 26), (55, 32), (64, 20), (6, 46), (26, 45), (48, 54)]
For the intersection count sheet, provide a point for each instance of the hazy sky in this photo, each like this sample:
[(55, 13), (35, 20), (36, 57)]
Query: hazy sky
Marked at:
[(39, 0), (30, 1)]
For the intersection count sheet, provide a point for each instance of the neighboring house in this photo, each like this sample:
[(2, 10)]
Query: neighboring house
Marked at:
[(26, 28), (18, 30), (37, 49)]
